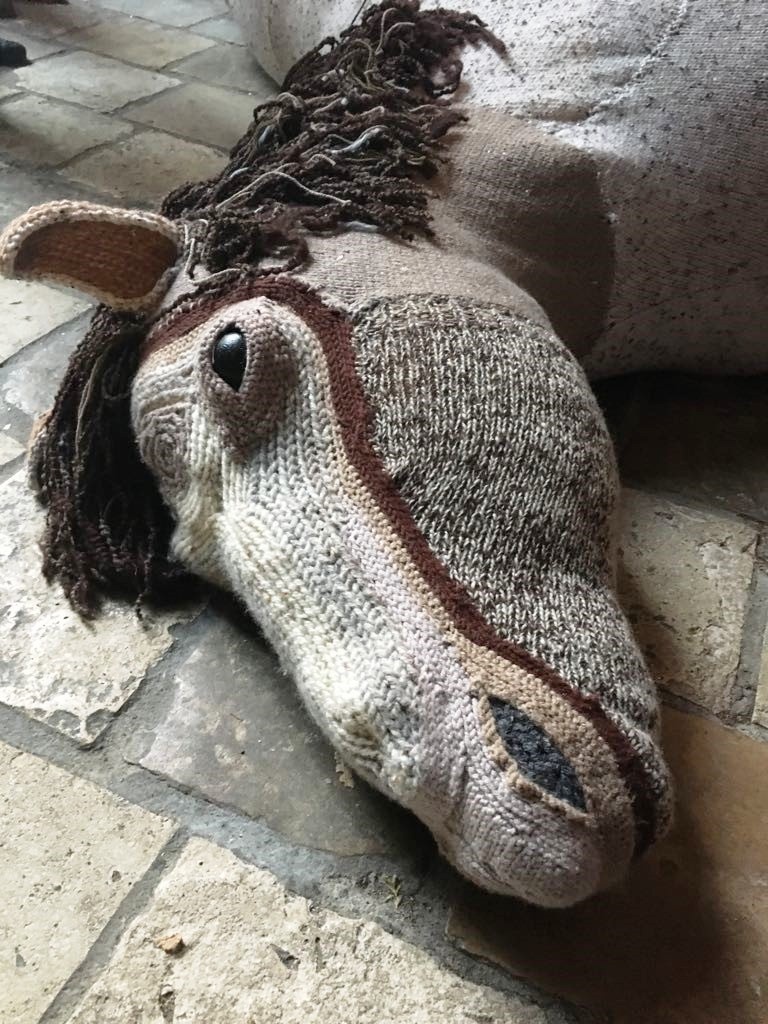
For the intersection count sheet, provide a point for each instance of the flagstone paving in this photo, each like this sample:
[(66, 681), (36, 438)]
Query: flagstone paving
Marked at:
[(178, 841)]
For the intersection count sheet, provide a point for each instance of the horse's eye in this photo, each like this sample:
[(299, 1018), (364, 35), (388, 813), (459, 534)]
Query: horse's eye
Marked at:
[(229, 357)]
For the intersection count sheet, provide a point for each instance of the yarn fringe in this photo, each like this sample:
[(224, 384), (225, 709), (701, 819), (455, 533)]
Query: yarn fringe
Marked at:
[(353, 137), (107, 529)]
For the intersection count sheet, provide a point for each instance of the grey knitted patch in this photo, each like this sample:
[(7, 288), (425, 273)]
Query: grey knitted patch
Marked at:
[(497, 446), (495, 442), (535, 754)]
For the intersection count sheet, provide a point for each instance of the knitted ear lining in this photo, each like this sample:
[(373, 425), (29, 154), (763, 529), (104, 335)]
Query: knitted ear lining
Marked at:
[(121, 257), (537, 756)]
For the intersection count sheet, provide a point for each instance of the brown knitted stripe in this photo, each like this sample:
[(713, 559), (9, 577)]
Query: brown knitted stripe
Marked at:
[(190, 311), (354, 417)]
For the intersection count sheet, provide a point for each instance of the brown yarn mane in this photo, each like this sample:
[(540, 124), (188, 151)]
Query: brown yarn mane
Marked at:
[(107, 529), (358, 117)]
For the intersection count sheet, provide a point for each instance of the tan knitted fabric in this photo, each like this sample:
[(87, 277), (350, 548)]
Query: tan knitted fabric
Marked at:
[(121, 257), (626, 177)]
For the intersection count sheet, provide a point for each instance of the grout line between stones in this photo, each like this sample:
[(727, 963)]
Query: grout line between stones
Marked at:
[(104, 766), (55, 168), (7, 363), (12, 466), (142, 128), (345, 884), (693, 503), (170, 69), (689, 707), (122, 113), (753, 637), (96, 148), (68, 50), (30, 27), (59, 101), (100, 953), (678, 703)]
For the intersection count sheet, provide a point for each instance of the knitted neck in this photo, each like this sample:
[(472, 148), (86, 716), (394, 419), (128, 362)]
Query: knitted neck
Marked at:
[(352, 137)]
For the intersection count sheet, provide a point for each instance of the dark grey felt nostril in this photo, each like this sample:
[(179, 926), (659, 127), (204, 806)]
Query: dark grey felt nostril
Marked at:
[(536, 754)]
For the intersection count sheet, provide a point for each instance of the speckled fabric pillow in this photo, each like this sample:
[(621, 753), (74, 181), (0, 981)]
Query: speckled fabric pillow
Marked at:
[(614, 166), (319, 381)]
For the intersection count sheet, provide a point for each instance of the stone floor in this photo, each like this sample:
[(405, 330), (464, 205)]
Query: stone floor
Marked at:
[(178, 842)]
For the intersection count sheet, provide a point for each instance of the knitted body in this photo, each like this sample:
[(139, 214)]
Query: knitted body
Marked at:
[(385, 448), (614, 166)]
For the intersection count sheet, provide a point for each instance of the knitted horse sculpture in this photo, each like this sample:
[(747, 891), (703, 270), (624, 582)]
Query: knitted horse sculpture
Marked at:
[(356, 403)]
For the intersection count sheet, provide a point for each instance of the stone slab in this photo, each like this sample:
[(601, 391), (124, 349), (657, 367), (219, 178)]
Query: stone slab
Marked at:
[(138, 42), (91, 80), (69, 853), (225, 29), (234, 730), (145, 167), (179, 13), (197, 111), (10, 449), (35, 47), (46, 133), (233, 67), (685, 939), (684, 582), (28, 384), (760, 716), (701, 438), (72, 675), (254, 952), (28, 310), (22, 188)]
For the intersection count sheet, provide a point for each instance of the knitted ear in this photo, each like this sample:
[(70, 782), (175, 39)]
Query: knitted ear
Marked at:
[(120, 257)]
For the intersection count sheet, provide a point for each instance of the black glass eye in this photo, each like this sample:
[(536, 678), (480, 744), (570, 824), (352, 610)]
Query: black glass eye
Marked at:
[(229, 357)]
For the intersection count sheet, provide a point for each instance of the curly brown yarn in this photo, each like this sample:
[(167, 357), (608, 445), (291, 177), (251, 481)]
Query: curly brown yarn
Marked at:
[(357, 118), (107, 529)]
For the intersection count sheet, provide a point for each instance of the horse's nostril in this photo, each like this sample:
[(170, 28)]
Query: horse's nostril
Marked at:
[(536, 754)]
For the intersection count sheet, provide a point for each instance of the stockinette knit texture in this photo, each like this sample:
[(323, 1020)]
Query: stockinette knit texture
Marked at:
[(414, 501), (411, 489)]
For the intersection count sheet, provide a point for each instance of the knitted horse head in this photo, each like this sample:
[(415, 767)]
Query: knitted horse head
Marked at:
[(356, 404)]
